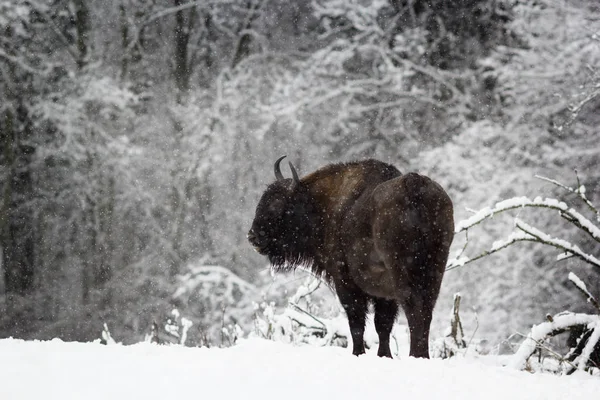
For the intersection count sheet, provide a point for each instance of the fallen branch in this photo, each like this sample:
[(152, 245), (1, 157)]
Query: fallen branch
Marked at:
[(560, 323)]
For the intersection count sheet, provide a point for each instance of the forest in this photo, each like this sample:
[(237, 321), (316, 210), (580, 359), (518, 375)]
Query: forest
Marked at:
[(136, 137)]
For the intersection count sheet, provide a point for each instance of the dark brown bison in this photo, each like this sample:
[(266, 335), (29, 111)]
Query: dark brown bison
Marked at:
[(376, 236)]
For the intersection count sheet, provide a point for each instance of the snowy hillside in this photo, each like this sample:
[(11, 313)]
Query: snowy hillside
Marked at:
[(259, 369)]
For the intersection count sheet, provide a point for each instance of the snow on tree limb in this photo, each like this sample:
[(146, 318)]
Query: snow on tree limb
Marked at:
[(544, 238), (528, 232), (498, 245), (566, 212), (583, 289), (559, 323), (580, 191), (579, 283), (23, 64), (590, 345)]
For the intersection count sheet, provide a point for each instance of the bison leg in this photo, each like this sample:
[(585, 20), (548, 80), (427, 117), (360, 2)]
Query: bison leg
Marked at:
[(385, 315), (355, 305), (419, 311)]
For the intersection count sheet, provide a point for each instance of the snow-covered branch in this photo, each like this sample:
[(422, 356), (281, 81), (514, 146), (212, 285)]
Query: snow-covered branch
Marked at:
[(565, 211), (559, 324), (526, 232), (592, 343), (580, 191), (576, 108), (583, 289), (459, 260), (544, 238), (22, 64)]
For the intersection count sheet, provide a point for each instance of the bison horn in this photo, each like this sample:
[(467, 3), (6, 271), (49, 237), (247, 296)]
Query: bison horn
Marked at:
[(294, 173), (278, 174)]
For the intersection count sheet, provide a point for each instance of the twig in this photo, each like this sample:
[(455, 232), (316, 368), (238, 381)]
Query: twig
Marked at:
[(19, 62), (313, 290), (580, 192), (299, 309), (513, 238), (541, 345), (575, 110), (474, 332), (583, 289)]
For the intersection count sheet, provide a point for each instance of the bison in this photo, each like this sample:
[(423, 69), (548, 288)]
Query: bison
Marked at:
[(375, 235)]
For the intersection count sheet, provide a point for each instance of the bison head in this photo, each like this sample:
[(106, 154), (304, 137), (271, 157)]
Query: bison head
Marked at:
[(285, 221)]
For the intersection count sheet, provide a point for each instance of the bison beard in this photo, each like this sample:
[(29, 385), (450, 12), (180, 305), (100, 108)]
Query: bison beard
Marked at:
[(374, 234)]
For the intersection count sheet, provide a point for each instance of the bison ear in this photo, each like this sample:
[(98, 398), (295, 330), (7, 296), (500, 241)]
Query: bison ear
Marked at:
[(295, 175), (278, 174)]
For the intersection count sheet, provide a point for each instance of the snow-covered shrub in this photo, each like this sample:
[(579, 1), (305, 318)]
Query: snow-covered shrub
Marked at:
[(297, 321), (178, 326), (217, 301), (313, 316), (587, 231)]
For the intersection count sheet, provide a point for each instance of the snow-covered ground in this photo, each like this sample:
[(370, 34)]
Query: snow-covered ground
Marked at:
[(260, 369)]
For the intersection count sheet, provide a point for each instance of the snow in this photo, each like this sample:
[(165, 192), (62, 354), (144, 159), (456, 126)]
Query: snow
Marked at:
[(260, 369)]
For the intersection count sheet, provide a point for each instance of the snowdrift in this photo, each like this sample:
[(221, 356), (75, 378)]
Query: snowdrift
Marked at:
[(260, 369)]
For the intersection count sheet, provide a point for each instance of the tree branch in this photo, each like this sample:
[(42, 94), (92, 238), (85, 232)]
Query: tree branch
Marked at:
[(302, 311), (583, 289), (565, 211), (544, 238), (580, 191), (514, 237), (22, 64)]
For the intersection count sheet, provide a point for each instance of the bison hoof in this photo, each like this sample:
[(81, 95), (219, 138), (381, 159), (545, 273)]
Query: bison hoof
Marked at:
[(357, 353), (384, 354)]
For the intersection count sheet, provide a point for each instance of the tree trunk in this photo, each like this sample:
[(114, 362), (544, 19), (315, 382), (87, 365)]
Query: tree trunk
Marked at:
[(16, 222), (183, 28), (82, 26), (242, 48), (124, 39)]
